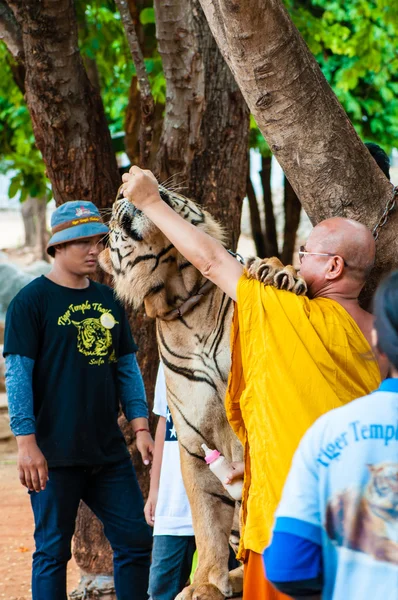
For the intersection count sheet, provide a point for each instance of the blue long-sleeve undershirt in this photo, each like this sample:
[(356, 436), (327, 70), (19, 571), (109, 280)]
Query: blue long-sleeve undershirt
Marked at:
[(19, 373)]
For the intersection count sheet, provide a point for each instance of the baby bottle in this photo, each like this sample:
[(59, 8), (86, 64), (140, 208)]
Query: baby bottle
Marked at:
[(221, 468)]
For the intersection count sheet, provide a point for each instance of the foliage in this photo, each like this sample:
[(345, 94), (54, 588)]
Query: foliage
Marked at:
[(102, 38), (354, 42), (18, 153), (103, 42)]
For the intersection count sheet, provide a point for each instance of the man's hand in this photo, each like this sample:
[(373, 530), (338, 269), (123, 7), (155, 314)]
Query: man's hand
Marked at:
[(237, 472), (145, 445), (32, 466), (141, 187), (150, 507)]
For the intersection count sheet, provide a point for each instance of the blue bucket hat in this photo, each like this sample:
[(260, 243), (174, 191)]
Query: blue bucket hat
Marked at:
[(74, 220)]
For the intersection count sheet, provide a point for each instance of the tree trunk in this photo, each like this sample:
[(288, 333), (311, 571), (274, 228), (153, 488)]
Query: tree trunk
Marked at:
[(270, 234), (34, 213), (292, 220), (255, 218), (205, 134), (133, 112), (27, 213), (42, 236), (66, 110), (305, 126)]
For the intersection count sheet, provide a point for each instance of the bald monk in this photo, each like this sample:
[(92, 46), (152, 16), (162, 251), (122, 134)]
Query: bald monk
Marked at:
[(293, 357)]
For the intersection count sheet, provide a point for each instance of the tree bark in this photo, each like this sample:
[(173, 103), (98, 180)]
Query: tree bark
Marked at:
[(66, 110), (306, 128), (34, 212), (147, 104), (270, 234), (255, 219), (204, 140), (292, 220), (10, 32)]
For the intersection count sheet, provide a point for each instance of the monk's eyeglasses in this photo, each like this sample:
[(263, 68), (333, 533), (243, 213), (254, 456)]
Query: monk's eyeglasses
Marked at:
[(302, 252)]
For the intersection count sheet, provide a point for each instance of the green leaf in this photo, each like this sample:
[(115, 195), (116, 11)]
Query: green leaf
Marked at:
[(147, 16), (14, 187)]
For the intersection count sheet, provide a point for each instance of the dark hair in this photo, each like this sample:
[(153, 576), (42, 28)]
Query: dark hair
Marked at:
[(380, 157), (51, 251), (386, 317)]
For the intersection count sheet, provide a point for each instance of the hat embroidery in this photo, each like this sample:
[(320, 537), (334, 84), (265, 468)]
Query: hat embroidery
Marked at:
[(81, 211)]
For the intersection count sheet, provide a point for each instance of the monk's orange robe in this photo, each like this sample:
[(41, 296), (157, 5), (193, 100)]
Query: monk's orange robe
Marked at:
[(293, 359)]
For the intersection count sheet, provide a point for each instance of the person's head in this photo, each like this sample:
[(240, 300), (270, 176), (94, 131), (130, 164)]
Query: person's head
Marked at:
[(337, 258), (77, 234), (380, 157), (385, 334)]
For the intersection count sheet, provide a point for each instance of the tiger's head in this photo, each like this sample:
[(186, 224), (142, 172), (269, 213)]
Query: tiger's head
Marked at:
[(92, 339), (382, 489), (145, 266)]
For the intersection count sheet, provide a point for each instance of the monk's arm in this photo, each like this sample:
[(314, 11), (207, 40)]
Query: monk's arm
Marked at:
[(200, 249)]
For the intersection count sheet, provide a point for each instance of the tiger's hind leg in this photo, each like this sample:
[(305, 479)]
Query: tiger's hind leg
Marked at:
[(212, 516)]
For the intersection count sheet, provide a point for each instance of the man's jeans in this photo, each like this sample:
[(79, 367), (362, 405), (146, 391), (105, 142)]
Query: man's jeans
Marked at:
[(113, 494), (171, 565)]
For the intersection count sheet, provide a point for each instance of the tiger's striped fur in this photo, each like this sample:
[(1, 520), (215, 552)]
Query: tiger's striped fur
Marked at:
[(195, 352)]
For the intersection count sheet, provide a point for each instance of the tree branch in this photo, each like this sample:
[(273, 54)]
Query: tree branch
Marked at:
[(10, 32), (147, 102)]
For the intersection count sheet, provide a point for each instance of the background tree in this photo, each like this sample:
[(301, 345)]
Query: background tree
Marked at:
[(353, 42), (302, 120), (204, 133)]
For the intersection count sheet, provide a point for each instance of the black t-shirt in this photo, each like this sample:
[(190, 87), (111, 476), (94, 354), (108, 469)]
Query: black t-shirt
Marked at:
[(75, 349)]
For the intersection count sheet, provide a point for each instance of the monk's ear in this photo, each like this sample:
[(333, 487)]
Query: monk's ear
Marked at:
[(335, 268), (105, 262)]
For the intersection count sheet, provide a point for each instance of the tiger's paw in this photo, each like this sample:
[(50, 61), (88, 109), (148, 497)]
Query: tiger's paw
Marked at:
[(207, 591), (270, 271), (186, 593)]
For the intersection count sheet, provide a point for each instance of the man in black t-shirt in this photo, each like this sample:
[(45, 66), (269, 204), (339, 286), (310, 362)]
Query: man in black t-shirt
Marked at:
[(70, 359)]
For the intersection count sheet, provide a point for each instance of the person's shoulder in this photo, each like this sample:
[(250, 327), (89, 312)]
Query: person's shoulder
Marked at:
[(31, 291)]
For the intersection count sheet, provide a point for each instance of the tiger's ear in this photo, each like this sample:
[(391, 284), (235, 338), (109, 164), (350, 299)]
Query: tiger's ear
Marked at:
[(105, 262)]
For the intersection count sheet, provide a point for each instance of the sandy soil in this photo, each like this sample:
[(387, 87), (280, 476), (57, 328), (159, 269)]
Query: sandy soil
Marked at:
[(16, 532)]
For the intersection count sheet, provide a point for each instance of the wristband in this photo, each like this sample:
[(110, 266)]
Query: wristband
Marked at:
[(143, 429)]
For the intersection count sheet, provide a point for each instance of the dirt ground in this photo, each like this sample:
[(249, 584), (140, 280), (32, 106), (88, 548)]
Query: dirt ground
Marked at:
[(16, 532)]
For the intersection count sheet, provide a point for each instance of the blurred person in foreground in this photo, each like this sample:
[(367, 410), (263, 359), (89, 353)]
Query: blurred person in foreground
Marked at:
[(336, 529)]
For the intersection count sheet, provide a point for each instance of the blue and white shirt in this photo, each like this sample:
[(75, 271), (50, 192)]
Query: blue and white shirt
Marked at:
[(173, 513), (337, 522)]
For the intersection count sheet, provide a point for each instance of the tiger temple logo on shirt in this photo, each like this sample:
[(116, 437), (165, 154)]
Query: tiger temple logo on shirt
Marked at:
[(94, 337)]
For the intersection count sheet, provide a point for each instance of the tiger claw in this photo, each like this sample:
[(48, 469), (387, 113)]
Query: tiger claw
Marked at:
[(287, 279), (263, 270), (272, 272)]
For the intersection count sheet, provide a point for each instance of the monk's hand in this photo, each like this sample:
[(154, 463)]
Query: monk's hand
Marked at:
[(140, 187), (237, 471)]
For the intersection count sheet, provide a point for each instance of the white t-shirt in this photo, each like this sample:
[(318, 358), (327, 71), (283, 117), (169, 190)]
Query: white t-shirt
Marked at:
[(342, 493), (173, 513)]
